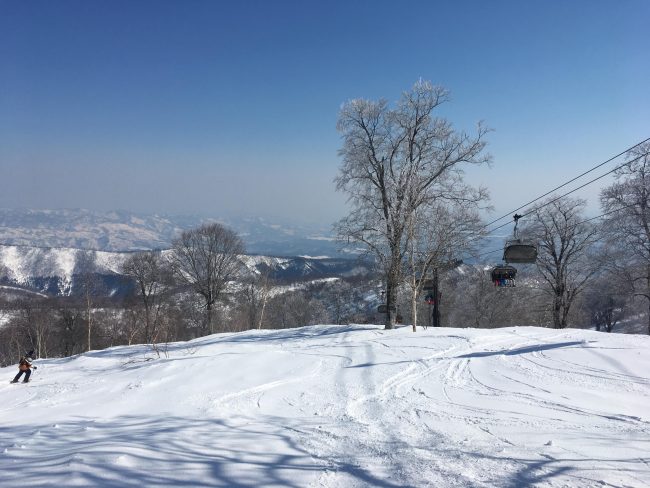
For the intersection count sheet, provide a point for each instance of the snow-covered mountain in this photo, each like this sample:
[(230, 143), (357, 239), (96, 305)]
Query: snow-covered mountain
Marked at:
[(127, 231), (337, 406), (53, 270)]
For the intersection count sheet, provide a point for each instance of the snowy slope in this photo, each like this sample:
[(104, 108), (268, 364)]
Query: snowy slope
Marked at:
[(338, 406), (25, 265)]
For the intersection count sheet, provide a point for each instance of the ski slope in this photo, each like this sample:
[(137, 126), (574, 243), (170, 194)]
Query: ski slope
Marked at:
[(338, 406)]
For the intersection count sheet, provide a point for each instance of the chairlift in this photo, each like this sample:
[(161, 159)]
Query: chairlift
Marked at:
[(521, 252), (518, 250), (504, 275)]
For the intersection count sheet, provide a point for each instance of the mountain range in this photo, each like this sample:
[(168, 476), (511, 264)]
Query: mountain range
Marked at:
[(128, 231), (56, 271)]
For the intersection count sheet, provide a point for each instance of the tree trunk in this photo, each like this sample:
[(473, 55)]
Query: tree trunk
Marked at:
[(414, 310), (147, 325), (648, 290), (209, 317), (436, 303), (264, 298), (556, 312), (391, 291), (88, 319)]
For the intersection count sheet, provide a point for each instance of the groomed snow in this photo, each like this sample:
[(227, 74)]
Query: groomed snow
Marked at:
[(338, 406)]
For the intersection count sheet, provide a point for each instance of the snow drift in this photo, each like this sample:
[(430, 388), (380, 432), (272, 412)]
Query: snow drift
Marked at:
[(338, 406)]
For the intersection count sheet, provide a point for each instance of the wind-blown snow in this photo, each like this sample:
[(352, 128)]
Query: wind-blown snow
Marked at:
[(338, 406)]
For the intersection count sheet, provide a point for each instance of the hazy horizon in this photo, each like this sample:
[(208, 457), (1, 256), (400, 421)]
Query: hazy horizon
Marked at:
[(229, 109)]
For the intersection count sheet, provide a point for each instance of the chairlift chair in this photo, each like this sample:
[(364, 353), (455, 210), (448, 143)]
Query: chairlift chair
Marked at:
[(428, 285), (503, 275), (518, 250)]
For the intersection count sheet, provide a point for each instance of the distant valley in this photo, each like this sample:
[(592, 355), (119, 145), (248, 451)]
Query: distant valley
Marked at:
[(129, 231)]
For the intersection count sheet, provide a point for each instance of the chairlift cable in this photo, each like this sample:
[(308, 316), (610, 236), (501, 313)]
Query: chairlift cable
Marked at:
[(555, 200), (572, 180), (563, 195), (588, 183), (608, 213), (574, 225)]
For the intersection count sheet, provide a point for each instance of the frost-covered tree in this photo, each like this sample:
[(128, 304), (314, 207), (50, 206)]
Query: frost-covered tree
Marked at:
[(627, 224), (207, 259), (395, 162), (564, 245)]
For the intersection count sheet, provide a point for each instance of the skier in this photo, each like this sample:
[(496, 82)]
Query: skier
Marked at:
[(25, 366)]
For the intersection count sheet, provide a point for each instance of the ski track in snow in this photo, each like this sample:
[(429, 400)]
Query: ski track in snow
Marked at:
[(338, 406)]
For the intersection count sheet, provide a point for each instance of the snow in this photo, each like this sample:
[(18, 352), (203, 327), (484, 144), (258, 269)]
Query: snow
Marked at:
[(251, 261), (306, 256), (11, 259), (110, 261), (24, 262), (17, 290), (322, 238), (338, 406)]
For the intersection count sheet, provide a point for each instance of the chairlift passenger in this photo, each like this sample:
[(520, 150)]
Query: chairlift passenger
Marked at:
[(503, 275)]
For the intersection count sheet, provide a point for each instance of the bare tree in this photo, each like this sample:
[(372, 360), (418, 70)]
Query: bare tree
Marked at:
[(483, 304), (253, 299), (436, 234), (474, 301), (70, 325), (150, 273), (396, 161), (339, 299), (34, 321), (207, 259), (129, 325), (12, 340), (627, 224), (564, 243), (85, 272), (605, 301), (295, 308)]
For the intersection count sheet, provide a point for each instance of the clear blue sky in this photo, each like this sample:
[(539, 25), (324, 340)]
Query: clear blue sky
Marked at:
[(229, 108)]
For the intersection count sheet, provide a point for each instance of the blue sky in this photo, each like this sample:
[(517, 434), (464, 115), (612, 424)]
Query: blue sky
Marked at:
[(230, 108)]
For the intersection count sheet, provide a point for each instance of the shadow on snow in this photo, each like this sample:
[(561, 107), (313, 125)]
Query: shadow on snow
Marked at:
[(521, 350), (135, 451)]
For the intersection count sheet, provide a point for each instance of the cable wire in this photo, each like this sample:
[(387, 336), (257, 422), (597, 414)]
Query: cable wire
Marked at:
[(574, 225), (582, 186), (571, 181)]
